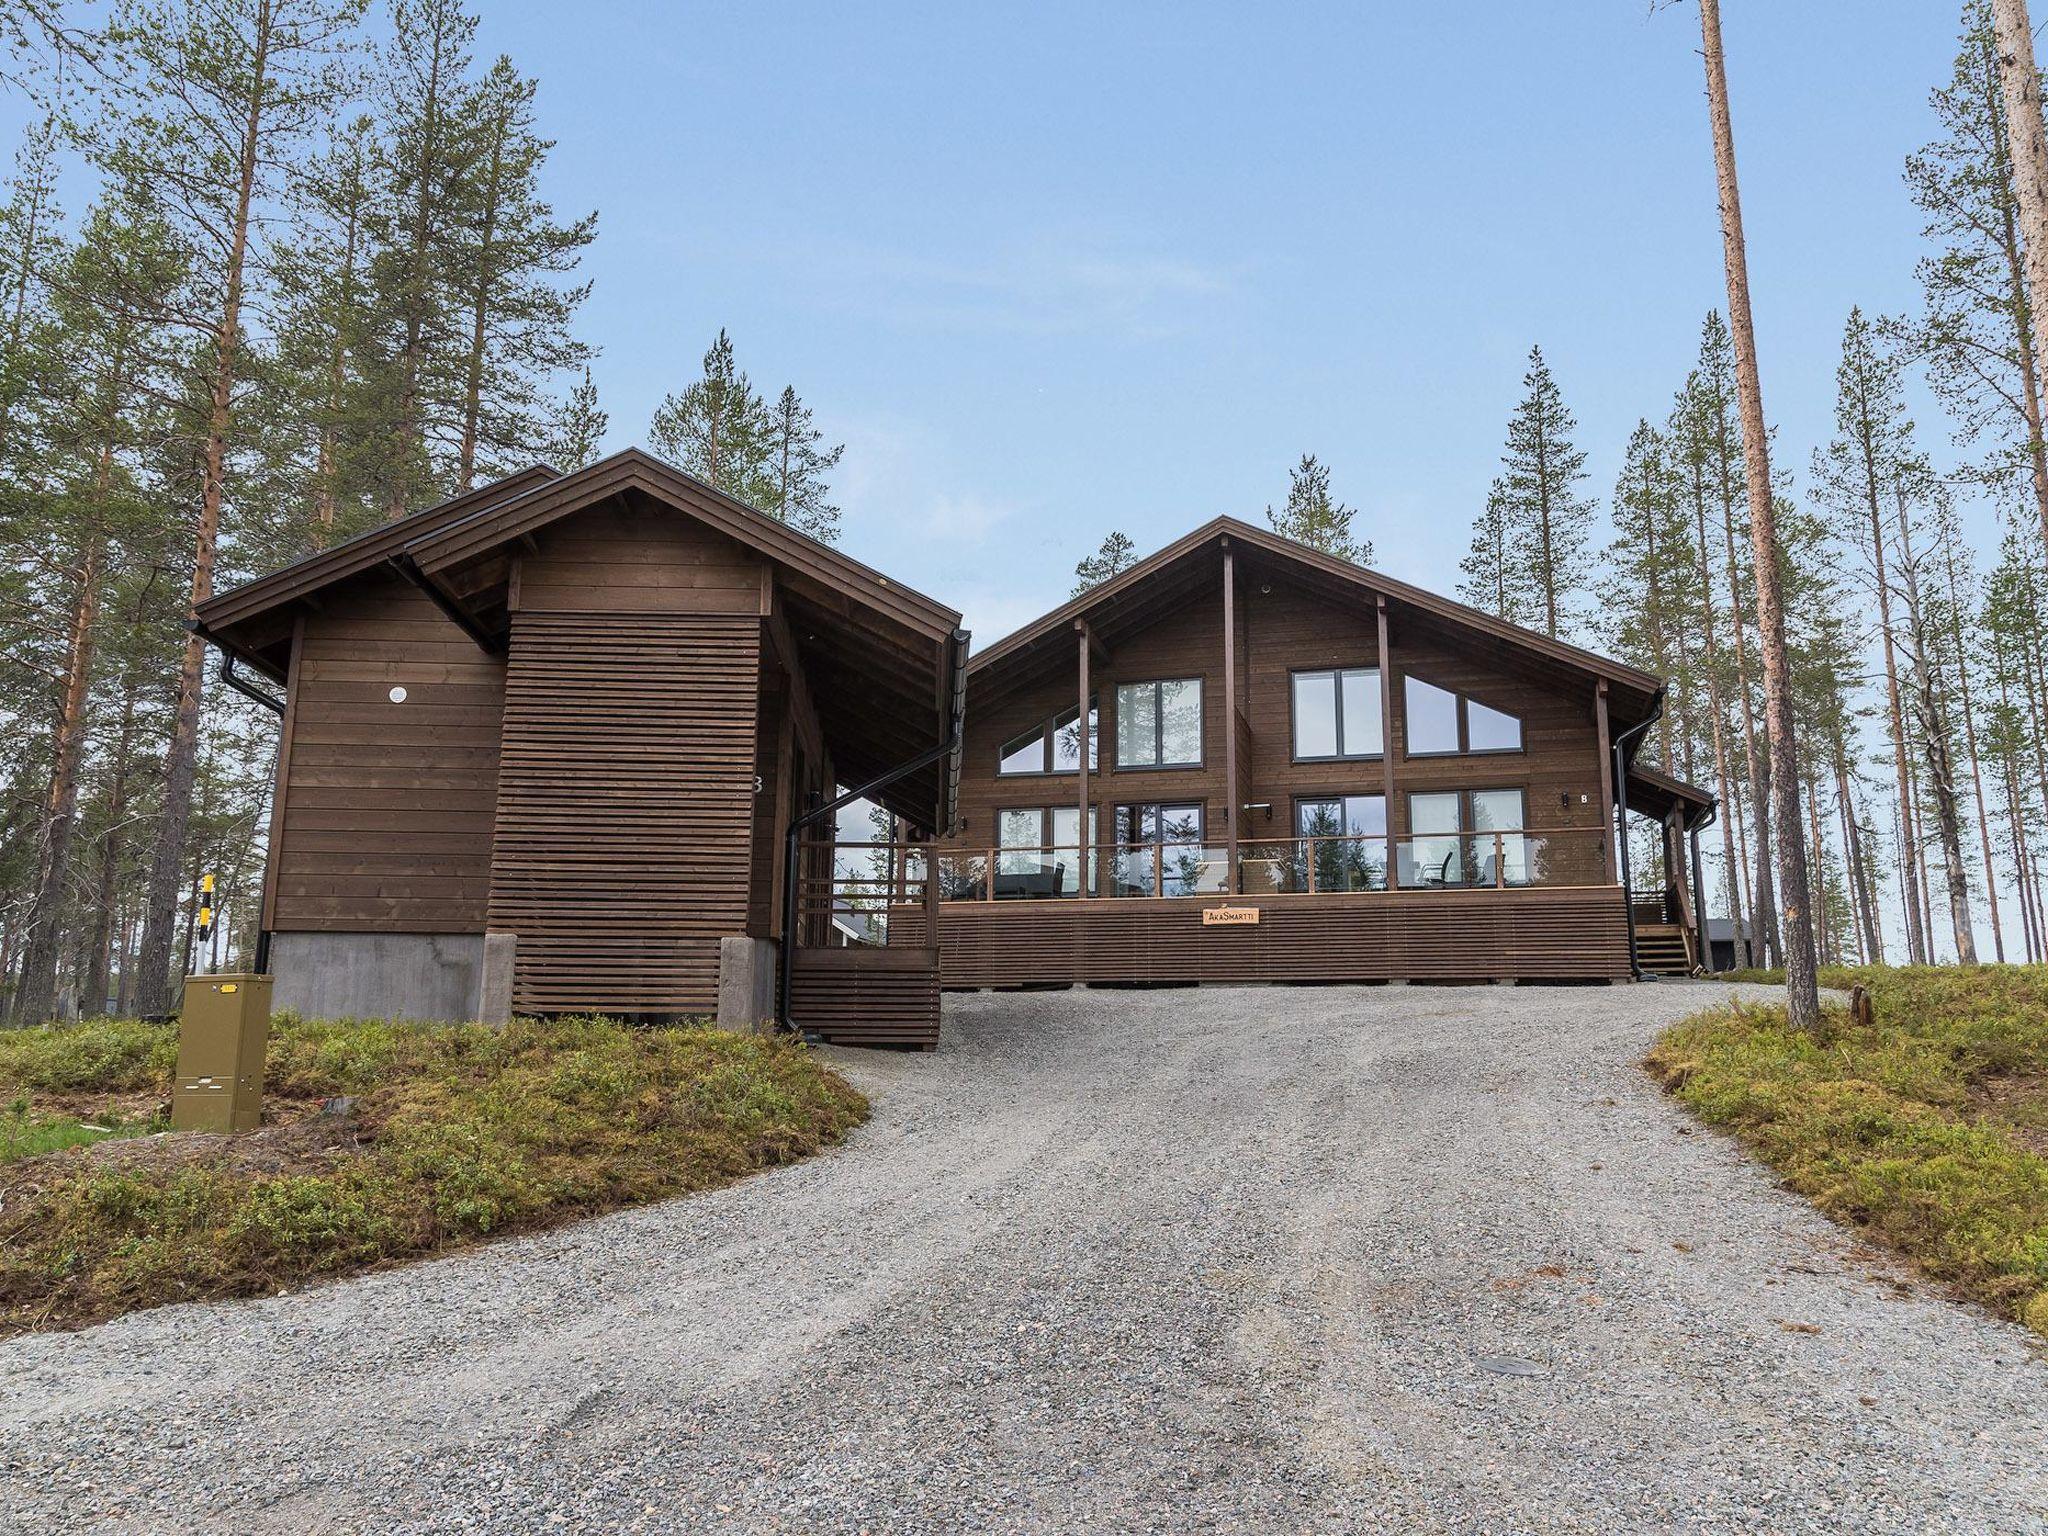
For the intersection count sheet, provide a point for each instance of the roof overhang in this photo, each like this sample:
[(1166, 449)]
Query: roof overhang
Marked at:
[(884, 667), (1649, 792)]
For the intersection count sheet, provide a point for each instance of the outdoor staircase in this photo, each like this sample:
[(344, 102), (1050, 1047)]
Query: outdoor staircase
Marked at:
[(1662, 950)]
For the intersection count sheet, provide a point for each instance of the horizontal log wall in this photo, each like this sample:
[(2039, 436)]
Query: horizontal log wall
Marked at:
[(1551, 934), (385, 818)]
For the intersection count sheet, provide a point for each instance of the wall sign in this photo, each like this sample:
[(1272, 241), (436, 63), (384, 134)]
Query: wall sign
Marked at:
[(1230, 917)]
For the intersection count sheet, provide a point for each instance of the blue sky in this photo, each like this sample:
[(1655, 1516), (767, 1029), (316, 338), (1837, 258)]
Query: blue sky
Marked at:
[(1055, 269), (1051, 270)]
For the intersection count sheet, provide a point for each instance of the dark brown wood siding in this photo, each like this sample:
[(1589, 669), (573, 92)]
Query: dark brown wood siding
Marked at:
[(387, 807), (625, 813), (624, 807)]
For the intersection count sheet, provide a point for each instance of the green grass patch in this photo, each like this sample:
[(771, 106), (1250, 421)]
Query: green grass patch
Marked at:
[(1925, 1129), (459, 1133)]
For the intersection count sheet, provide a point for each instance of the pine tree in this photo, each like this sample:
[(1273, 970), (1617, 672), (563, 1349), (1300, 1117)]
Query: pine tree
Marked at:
[(223, 98), (1648, 594), (718, 429), (798, 463), (1314, 517), (1856, 478), (507, 269), (421, 95), (1802, 995), (1115, 554), (1492, 581), (579, 431), (1546, 522)]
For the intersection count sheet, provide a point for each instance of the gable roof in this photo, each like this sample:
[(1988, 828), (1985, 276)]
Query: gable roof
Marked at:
[(1363, 578), (885, 662), (1156, 585)]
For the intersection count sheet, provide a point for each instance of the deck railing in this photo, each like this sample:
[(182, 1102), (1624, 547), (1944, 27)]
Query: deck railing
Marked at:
[(1275, 866)]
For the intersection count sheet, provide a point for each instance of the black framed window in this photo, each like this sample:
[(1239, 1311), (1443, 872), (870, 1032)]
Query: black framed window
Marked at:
[(1053, 745), (1441, 723), (1336, 714), (1451, 841), (1159, 724)]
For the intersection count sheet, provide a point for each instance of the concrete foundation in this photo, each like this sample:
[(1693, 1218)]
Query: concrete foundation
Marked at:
[(382, 975), (494, 999), (746, 983)]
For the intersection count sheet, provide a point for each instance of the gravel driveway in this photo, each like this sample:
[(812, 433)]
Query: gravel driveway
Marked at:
[(1413, 1259)]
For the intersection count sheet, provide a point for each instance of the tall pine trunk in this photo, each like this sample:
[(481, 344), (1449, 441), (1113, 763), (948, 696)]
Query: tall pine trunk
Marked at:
[(2027, 140), (36, 1000), (1802, 991), (155, 994), (480, 309)]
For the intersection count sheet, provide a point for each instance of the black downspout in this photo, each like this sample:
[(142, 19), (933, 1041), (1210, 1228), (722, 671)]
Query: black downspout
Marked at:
[(244, 687), (1635, 965), (793, 838)]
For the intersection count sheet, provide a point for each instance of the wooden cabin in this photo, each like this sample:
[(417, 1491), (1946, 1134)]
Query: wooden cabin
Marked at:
[(543, 747), (1245, 760)]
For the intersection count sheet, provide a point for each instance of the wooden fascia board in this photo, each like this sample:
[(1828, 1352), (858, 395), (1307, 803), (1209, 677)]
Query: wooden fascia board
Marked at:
[(1365, 579)]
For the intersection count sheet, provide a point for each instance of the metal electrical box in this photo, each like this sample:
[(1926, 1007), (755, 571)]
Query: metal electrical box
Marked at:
[(223, 1032)]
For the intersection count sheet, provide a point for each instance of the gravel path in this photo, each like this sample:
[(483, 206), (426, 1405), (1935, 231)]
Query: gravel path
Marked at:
[(1413, 1259)]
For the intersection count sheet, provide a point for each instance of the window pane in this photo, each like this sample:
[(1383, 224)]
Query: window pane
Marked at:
[(1489, 730), (1365, 815), (1432, 717), (1066, 741), (1432, 813), (1137, 725), (1067, 852), (1024, 755), (1318, 818), (1016, 873), (1496, 810), (1180, 823), (1315, 714), (1180, 720), (1361, 714)]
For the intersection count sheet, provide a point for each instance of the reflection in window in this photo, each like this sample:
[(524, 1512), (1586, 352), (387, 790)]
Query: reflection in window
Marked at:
[(1337, 713), (1052, 746), (1040, 854), (1160, 851), (1159, 725), (1470, 837), (1440, 721), (1345, 843)]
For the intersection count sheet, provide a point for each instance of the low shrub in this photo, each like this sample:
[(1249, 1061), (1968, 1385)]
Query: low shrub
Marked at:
[(459, 1133), (1901, 1127)]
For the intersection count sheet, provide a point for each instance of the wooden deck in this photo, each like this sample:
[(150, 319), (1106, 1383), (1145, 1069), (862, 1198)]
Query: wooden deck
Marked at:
[(1550, 933)]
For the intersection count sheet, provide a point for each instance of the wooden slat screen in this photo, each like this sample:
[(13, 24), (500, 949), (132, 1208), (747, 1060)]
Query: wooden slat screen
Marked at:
[(863, 996), (625, 803), (1554, 934)]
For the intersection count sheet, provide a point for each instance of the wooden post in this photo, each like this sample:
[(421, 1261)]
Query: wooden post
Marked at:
[(1606, 784), (1081, 826), (1387, 740), (1233, 801)]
